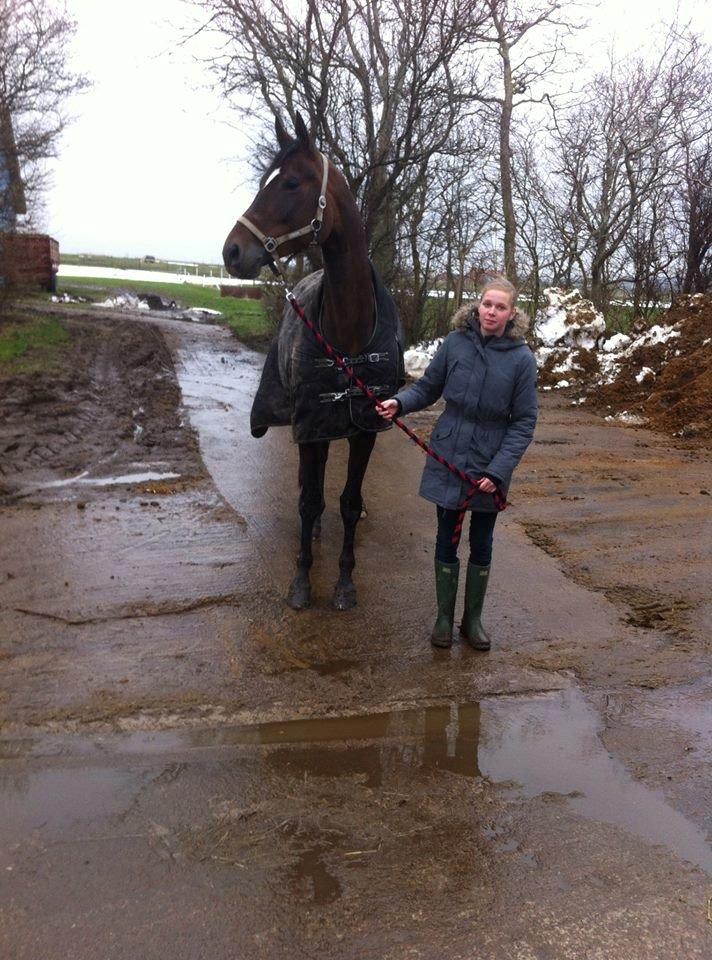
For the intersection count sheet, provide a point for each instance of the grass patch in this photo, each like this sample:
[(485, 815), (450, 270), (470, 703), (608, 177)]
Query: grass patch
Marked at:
[(28, 346), (246, 317), (619, 317)]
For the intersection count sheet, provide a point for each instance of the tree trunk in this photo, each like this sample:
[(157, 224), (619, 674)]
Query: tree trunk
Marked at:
[(536, 284), (693, 282), (505, 166), (597, 286)]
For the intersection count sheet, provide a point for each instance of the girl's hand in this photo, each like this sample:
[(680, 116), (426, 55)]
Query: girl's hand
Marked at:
[(486, 485), (388, 409)]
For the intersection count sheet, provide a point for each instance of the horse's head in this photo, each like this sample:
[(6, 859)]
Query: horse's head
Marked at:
[(287, 201)]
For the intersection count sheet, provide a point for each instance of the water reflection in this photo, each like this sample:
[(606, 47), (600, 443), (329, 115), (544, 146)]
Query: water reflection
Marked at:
[(551, 744), (543, 744), (451, 735), (436, 738)]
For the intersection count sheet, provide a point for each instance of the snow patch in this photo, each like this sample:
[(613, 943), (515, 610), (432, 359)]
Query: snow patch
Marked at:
[(568, 321), (124, 301), (625, 417), (417, 358), (617, 342)]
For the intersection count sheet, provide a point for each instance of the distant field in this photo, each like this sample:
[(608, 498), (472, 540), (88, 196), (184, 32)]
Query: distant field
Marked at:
[(246, 317), (140, 263)]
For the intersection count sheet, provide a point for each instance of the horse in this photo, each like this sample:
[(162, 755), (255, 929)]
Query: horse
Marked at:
[(303, 199)]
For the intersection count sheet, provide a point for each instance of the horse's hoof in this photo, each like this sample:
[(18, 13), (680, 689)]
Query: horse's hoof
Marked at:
[(344, 597), (299, 596)]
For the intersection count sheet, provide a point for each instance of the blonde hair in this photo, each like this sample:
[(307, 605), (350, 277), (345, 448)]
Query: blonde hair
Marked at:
[(501, 283)]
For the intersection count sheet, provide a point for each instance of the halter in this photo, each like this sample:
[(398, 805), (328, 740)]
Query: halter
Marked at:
[(272, 243)]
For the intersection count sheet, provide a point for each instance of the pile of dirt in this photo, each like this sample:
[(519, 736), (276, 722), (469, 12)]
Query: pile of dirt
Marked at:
[(659, 375), (110, 399), (667, 379)]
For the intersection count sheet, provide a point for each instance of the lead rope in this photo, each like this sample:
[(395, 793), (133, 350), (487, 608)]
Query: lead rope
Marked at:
[(500, 500)]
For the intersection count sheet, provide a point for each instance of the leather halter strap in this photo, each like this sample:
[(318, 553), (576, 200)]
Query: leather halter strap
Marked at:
[(272, 243)]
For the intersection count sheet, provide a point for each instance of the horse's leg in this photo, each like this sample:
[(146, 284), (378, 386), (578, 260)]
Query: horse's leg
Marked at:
[(312, 464), (316, 530), (360, 448)]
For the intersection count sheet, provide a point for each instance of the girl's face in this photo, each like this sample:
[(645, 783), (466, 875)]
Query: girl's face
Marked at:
[(495, 311)]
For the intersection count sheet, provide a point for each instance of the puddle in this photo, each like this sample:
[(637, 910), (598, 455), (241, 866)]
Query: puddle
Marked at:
[(55, 800), (86, 480), (328, 668), (310, 872), (541, 744), (551, 744), (686, 709), (309, 877), (436, 738)]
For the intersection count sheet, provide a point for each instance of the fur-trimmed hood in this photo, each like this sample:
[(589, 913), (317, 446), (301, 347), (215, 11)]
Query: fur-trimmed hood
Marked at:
[(466, 317)]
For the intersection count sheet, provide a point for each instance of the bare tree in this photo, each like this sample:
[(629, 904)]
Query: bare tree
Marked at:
[(36, 80), (384, 86), (531, 215), (417, 258), (616, 148), (469, 219), (693, 215), (647, 253), (441, 228), (528, 36)]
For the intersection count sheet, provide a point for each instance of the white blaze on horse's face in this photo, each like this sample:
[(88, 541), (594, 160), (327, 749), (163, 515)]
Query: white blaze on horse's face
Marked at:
[(271, 177)]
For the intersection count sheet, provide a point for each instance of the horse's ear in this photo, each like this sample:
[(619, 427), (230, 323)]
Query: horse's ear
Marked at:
[(303, 135), (283, 138)]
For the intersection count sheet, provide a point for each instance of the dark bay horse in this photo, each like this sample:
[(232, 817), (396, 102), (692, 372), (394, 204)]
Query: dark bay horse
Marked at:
[(304, 199)]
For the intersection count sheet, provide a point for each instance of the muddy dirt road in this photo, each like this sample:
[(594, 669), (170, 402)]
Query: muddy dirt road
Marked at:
[(189, 769)]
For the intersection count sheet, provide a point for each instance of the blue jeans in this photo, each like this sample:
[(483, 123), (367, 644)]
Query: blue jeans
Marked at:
[(481, 536)]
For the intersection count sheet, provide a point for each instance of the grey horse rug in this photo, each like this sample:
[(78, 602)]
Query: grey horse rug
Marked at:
[(301, 386)]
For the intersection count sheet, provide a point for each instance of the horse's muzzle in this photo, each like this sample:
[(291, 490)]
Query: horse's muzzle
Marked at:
[(244, 261)]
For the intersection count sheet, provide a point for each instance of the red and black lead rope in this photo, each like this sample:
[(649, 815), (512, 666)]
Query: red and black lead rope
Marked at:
[(500, 500)]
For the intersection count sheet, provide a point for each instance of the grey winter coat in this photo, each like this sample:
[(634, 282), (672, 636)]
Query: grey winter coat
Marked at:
[(488, 423)]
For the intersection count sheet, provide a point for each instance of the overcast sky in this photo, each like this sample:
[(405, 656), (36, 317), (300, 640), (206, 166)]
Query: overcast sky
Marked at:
[(151, 164)]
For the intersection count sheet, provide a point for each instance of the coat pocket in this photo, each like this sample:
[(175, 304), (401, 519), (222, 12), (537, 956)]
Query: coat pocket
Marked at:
[(441, 431), (441, 438)]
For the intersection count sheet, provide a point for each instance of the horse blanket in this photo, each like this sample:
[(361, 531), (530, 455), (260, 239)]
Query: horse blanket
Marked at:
[(301, 386)]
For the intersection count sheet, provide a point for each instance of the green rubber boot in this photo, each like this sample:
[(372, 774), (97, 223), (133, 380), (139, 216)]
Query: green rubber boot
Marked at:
[(475, 588), (446, 575)]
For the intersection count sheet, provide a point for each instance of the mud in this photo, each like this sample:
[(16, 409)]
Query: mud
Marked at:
[(108, 401), (677, 396), (667, 385), (188, 768)]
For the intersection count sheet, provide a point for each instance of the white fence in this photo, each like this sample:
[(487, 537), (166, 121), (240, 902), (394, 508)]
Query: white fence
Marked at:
[(155, 276)]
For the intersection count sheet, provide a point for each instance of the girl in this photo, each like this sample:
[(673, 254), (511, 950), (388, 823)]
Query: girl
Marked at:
[(487, 376)]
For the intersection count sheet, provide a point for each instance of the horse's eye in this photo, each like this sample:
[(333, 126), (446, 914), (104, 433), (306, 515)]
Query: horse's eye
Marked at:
[(291, 183)]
